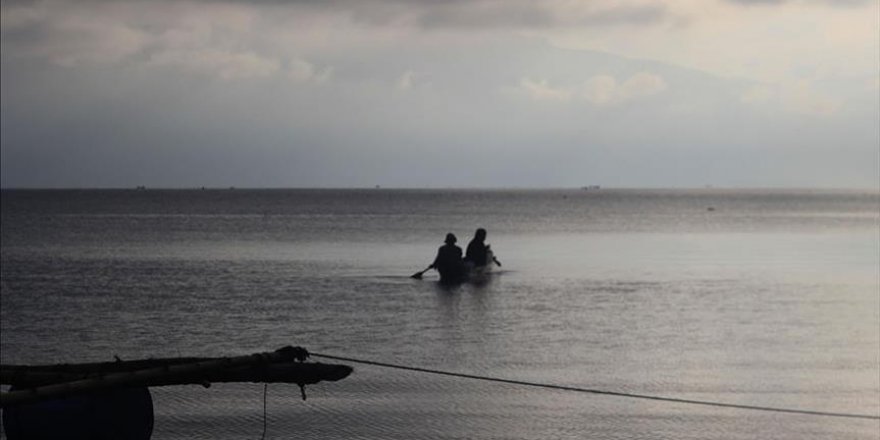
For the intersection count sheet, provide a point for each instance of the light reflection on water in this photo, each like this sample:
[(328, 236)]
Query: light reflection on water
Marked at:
[(727, 312)]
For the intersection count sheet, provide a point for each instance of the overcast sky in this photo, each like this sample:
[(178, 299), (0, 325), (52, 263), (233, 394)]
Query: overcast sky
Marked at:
[(427, 93)]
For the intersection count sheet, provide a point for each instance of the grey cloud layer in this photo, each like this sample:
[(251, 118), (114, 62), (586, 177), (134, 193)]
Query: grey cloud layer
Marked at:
[(833, 3), (455, 14), (238, 40), (619, 122), (398, 93)]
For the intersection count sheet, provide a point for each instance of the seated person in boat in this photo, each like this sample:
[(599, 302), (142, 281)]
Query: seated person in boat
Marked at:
[(477, 250), (448, 261)]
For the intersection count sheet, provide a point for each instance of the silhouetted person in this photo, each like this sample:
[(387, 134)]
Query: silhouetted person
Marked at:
[(477, 250), (448, 261)]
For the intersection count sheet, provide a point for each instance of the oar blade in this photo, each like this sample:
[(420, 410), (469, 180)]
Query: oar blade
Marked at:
[(418, 275)]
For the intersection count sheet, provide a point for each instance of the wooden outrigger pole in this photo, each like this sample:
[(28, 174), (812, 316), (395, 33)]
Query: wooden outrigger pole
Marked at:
[(40, 383)]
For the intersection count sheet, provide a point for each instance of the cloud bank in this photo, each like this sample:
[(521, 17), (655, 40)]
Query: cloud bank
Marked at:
[(424, 93)]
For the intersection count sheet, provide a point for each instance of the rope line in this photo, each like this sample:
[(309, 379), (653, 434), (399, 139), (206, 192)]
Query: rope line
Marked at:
[(596, 391), (265, 418)]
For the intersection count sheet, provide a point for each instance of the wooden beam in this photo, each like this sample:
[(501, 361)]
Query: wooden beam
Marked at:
[(284, 365)]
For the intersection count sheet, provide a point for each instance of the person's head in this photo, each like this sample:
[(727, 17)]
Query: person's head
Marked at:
[(450, 238), (480, 234)]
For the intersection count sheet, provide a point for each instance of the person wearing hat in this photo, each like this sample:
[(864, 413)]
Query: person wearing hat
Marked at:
[(448, 261)]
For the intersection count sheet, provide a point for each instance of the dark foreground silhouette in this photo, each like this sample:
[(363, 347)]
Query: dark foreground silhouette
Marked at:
[(112, 400)]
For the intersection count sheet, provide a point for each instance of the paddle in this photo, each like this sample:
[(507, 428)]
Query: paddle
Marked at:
[(418, 275), (496, 261)]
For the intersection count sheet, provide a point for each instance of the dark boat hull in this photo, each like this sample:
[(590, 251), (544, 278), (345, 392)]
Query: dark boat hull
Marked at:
[(469, 273)]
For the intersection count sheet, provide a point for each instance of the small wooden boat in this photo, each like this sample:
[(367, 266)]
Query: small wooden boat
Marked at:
[(471, 273)]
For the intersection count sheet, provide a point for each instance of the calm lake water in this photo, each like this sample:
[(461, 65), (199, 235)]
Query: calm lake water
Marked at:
[(753, 297)]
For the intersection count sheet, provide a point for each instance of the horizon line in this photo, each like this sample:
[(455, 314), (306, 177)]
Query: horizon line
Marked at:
[(592, 188)]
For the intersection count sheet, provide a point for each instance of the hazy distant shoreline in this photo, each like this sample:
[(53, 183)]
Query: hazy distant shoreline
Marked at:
[(439, 188)]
